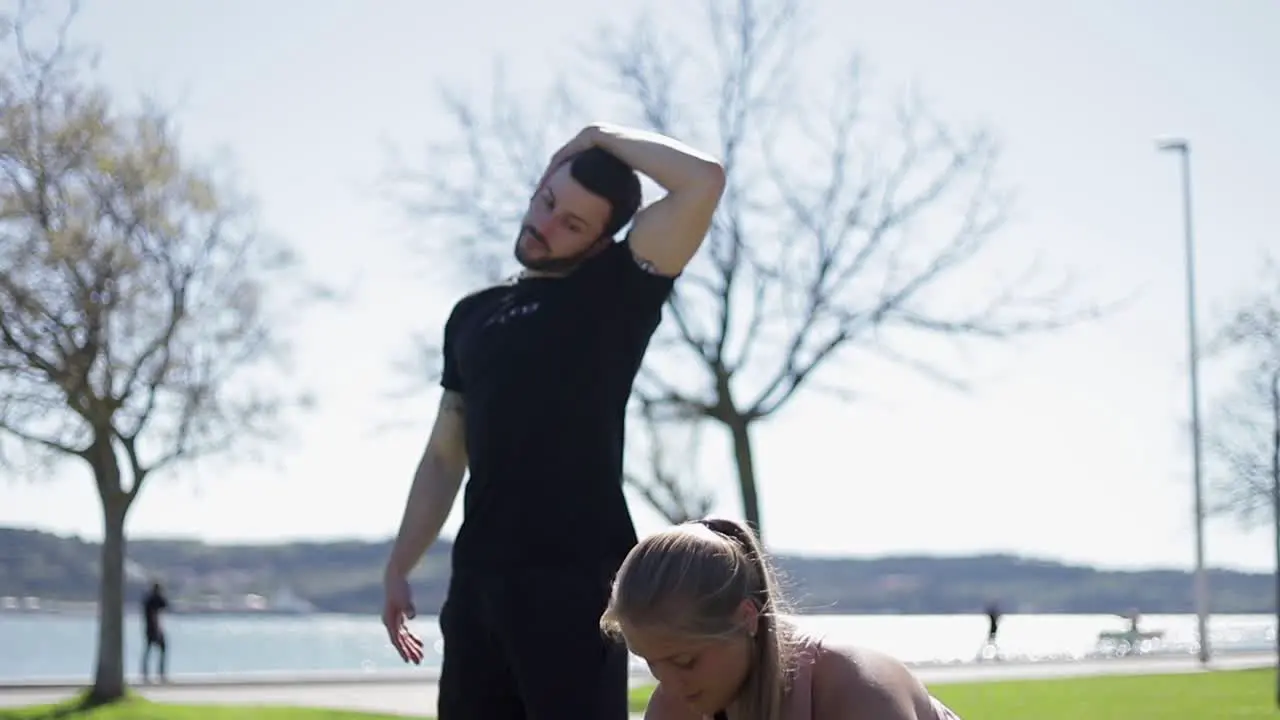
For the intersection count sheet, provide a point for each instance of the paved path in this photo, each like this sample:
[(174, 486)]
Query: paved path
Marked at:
[(415, 695)]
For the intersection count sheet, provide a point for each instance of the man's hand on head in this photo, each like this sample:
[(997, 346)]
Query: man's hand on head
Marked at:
[(587, 138)]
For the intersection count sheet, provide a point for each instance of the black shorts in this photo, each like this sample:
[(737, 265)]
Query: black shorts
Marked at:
[(527, 645)]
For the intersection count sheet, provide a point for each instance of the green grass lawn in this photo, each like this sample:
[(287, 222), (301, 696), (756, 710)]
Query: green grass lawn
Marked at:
[(138, 709), (1199, 696)]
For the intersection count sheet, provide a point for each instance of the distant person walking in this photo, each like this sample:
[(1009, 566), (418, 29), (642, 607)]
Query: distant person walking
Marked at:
[(990, 649), (153, 604), (536, 375)]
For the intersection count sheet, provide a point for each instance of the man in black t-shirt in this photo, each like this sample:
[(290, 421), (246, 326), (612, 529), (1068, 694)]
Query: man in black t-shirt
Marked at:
[(537, 373)]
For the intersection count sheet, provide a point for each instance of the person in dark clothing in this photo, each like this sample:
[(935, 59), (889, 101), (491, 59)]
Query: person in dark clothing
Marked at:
[(536, 376), (152, 605), (990, 649), (993, 622)]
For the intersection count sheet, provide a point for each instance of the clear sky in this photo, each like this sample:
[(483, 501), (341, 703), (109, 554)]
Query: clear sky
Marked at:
[(1072, 447)]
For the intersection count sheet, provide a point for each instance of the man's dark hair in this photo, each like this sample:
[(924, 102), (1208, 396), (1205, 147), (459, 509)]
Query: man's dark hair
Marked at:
[(603, 174)]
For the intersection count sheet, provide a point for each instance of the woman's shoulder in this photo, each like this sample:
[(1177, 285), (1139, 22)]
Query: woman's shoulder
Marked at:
[(844, 664), (865, 683)]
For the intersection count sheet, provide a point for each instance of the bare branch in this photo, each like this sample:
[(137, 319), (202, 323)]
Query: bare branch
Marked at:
[(1242, 439), (48, 443), (473, 192), (669, 485)]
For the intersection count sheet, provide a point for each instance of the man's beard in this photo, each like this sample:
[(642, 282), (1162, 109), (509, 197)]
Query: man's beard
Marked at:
[(549, 264)]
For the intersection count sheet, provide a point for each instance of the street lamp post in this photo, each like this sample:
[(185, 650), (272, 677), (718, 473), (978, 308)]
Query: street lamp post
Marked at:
[(1183, 149)]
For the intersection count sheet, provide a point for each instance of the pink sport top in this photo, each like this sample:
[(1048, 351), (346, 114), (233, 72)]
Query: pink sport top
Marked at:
[(799, 701)]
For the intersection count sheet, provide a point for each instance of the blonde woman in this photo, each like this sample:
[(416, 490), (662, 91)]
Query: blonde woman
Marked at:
[(700, 604)]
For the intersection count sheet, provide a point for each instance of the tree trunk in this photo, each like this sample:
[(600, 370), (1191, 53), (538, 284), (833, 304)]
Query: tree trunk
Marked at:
[(741, 433), (108, 679)]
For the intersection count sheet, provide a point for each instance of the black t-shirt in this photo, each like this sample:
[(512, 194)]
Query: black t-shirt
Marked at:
[(152, 604), (546, 366)]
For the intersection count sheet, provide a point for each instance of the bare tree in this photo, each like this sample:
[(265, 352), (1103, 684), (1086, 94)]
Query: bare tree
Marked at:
[(845, 232), (1243, 438), (137, 305)]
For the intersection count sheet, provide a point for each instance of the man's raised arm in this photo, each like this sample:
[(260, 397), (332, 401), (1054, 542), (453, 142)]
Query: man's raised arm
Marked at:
[(667, 234), (435, 486)]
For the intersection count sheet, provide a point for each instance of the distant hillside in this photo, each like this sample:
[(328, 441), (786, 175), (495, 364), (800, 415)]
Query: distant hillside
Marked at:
[(346, 577)]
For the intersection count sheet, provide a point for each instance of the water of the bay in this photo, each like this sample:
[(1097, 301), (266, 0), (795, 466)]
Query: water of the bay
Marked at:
[(47, 647)]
